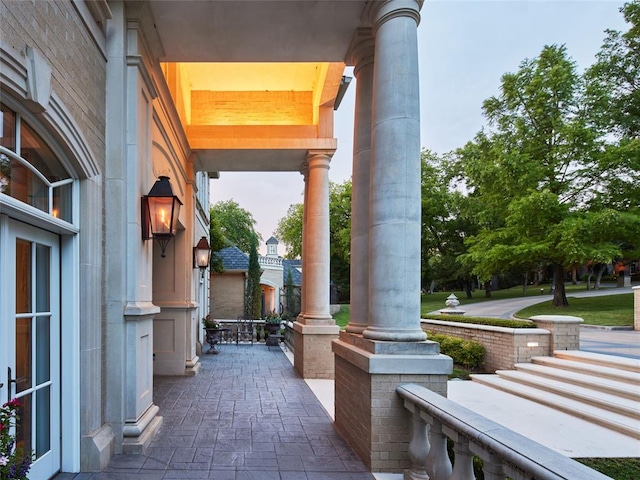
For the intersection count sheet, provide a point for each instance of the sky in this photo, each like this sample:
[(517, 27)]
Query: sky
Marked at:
[(464, 48)]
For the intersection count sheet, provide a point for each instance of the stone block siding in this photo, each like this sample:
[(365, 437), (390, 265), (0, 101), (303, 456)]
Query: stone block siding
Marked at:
[(78, 66), (227, 295), (371, 416), (504, 347)]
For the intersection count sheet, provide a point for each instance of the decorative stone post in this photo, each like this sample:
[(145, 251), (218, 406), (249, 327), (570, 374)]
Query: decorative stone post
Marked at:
[(392, 349), (362, 58), (315, 329)]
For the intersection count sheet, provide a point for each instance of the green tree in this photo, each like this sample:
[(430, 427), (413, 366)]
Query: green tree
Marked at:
[(445, 225), (236, 225), (253, 301), (289, 231), (536, 172)]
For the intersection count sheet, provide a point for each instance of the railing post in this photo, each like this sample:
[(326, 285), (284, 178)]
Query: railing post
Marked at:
[(438, 463), (463, 460), (492, 467), (418, 446)]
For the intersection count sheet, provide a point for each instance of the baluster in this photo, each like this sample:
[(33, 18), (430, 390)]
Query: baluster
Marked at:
[(418, 446), (463, 460), (493, 468), (438, 463)]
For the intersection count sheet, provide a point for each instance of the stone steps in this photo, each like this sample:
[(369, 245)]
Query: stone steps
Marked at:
[(590, 386)]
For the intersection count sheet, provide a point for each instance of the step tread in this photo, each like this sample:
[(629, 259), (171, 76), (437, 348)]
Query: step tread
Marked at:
[(606, 400), (630, 364), (612, 420), (592, 369), (610, 385)]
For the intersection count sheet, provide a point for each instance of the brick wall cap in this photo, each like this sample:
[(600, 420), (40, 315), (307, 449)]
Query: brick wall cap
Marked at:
[(490, 328), (556, 319)]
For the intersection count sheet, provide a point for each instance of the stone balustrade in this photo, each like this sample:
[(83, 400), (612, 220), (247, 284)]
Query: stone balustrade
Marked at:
[(269, 261), (505, 453)]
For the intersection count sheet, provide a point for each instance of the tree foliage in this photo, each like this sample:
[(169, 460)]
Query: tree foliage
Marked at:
[(253, 300), (538, 175), (233, 225), (289, 231)]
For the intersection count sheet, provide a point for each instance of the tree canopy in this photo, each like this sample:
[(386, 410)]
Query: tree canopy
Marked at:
[(232, 225)]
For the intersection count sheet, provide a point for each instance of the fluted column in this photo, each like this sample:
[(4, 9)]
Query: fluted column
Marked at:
[(316, 240), (362, 58), (394, 229)]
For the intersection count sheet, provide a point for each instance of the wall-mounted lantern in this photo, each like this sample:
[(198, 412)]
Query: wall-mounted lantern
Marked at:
[(160, 209), (201, 256)]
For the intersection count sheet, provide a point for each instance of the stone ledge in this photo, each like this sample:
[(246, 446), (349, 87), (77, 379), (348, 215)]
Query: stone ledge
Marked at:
[(426, 364), (381, 347)]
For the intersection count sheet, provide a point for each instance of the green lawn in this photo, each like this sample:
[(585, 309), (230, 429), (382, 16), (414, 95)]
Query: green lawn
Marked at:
[(610, 310), (616, 468)]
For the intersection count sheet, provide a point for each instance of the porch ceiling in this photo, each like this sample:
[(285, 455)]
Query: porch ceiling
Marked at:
[(256, 30), (274, 100)]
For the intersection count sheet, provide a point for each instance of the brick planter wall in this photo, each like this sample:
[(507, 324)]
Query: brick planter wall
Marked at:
[(504, 346)]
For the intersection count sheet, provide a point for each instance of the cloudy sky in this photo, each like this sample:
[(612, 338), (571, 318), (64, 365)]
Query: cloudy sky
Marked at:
[(464, 48)]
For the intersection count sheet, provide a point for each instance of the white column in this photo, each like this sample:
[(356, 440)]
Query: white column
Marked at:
[(361, 56), (394, 229), (303, 290), (316, 240)]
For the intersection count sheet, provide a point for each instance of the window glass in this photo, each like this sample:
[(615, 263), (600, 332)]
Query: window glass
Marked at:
[(19, 181)]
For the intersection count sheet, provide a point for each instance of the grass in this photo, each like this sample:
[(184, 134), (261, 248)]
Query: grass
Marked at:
[(616, 468), (436, 301), (342, 317), (610, 310)]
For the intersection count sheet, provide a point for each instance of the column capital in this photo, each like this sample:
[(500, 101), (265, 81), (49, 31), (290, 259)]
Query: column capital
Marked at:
[(361, 50), (319, 159), (382, 12)]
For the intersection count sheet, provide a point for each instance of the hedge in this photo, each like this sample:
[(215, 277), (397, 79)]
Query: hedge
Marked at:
[(466, 353), (496, 322)]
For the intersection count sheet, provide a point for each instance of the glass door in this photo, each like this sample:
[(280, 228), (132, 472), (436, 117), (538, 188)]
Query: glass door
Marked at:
[(32, 340)]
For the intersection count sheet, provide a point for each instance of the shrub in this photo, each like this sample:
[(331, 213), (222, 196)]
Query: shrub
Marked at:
[(495, 322), (466, 353)]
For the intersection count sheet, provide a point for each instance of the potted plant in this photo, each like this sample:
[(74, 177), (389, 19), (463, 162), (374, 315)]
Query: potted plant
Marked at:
[(212, 333), (14, 462), (272, 328)]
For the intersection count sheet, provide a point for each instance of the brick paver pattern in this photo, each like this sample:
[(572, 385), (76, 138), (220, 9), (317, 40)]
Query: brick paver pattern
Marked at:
[(247, 415)]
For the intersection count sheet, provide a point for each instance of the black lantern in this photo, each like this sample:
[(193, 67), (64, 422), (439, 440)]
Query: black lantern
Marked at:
[(201, 256), (160, 209)]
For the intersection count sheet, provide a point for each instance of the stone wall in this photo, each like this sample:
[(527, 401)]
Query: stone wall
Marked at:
[(504, 347)]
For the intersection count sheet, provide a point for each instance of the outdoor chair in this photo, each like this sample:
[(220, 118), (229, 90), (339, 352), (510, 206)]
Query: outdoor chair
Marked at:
[(244, 330)]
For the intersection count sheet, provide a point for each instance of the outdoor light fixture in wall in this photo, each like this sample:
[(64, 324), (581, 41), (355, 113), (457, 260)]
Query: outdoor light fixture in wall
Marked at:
[(201, 256), (160, 209)]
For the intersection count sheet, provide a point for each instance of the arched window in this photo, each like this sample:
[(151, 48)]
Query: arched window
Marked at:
[(30, 171)]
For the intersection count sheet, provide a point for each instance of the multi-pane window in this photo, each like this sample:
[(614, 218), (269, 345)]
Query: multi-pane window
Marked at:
[(29, 170)]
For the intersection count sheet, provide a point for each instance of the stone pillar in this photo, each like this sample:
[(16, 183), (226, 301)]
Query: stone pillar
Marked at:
[(392, 349), (564, 329), (636, 308), (303, 289), (395, 200), (362, 58), (315, 329)]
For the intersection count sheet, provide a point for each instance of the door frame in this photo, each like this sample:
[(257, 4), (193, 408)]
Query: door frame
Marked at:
[(69, 326)]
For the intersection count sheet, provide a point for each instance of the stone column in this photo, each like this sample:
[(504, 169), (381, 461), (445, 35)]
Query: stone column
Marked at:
[(362, 58), (392, 349), (303, 289), (636, 308), (315, 329), (394, 228)]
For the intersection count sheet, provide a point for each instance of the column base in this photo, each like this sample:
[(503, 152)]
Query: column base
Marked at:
[(192, 367), (96, 449), (139, 434), (312, 355), (368, 413)]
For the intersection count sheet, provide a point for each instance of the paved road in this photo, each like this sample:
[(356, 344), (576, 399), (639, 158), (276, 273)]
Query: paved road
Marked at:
[(506, 308), (623, 343)]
